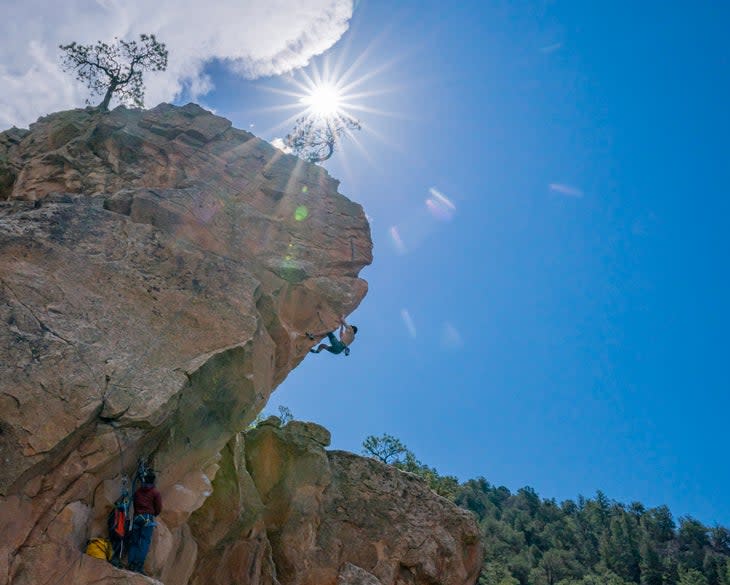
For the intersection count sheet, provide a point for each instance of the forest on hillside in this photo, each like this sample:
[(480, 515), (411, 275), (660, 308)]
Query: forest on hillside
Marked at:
[(529, 540)]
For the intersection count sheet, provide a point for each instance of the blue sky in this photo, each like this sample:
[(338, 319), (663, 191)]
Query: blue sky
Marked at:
[(570, 318), (565, 325)]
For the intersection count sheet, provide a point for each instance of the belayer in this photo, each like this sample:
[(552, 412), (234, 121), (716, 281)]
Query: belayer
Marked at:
[(342, 345), (147, 505)]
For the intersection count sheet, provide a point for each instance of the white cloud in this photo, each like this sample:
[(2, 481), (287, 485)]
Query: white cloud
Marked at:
[(255, 38)]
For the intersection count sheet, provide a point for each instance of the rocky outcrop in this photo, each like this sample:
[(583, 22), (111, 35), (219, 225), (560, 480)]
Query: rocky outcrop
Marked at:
[(158, 270), (334, 518), (230, 528)]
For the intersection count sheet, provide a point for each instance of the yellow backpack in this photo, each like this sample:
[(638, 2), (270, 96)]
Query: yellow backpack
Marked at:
[(99, 548)]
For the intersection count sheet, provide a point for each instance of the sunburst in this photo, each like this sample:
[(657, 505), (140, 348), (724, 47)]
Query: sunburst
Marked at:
[(324, 100), (330, 99), (329, 93)]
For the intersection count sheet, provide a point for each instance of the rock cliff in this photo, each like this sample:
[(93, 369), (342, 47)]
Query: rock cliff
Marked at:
[(334, 518), (157, 272)]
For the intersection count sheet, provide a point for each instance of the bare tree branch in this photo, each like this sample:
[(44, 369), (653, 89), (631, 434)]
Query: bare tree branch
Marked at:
[(117, 68), (314, 138)]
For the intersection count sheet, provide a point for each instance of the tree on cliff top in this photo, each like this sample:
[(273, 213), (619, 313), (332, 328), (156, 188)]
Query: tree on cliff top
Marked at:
[(116, 68), (392, 451), (314, 137), (385, 448)]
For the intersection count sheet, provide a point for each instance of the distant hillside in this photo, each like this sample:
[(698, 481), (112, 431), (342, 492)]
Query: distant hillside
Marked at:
[(533, 541)]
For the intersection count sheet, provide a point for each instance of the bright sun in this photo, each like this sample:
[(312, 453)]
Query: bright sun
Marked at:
[(323, 100), (326, 101)]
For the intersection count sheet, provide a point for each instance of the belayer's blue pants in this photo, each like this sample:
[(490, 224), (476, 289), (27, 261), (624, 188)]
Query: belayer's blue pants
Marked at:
[(139, 544)]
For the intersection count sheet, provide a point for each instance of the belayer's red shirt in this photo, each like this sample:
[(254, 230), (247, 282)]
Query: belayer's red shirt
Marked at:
[(147, 500)]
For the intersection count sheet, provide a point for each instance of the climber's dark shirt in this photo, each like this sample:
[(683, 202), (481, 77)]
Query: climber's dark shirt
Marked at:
[(147, 500)]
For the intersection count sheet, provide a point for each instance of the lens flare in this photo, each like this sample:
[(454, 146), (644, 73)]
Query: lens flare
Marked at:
[(440, 206), (408, 320), (301, 213), (397, 240)]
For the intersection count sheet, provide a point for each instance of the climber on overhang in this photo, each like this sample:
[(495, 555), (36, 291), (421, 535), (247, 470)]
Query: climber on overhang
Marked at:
[(342, 345)]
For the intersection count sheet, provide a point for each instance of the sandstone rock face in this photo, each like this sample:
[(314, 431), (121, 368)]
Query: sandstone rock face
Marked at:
[(334, 518), (158, 270), (230, 528)]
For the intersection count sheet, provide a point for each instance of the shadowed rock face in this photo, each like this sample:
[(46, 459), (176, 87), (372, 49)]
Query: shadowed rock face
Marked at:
[(158, 270)]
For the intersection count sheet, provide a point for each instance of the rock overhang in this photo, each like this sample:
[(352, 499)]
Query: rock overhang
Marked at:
[(158, 270)]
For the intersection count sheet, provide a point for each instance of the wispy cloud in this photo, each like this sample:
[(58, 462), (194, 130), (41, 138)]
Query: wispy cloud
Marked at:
[(563, 189), (253, 38)]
